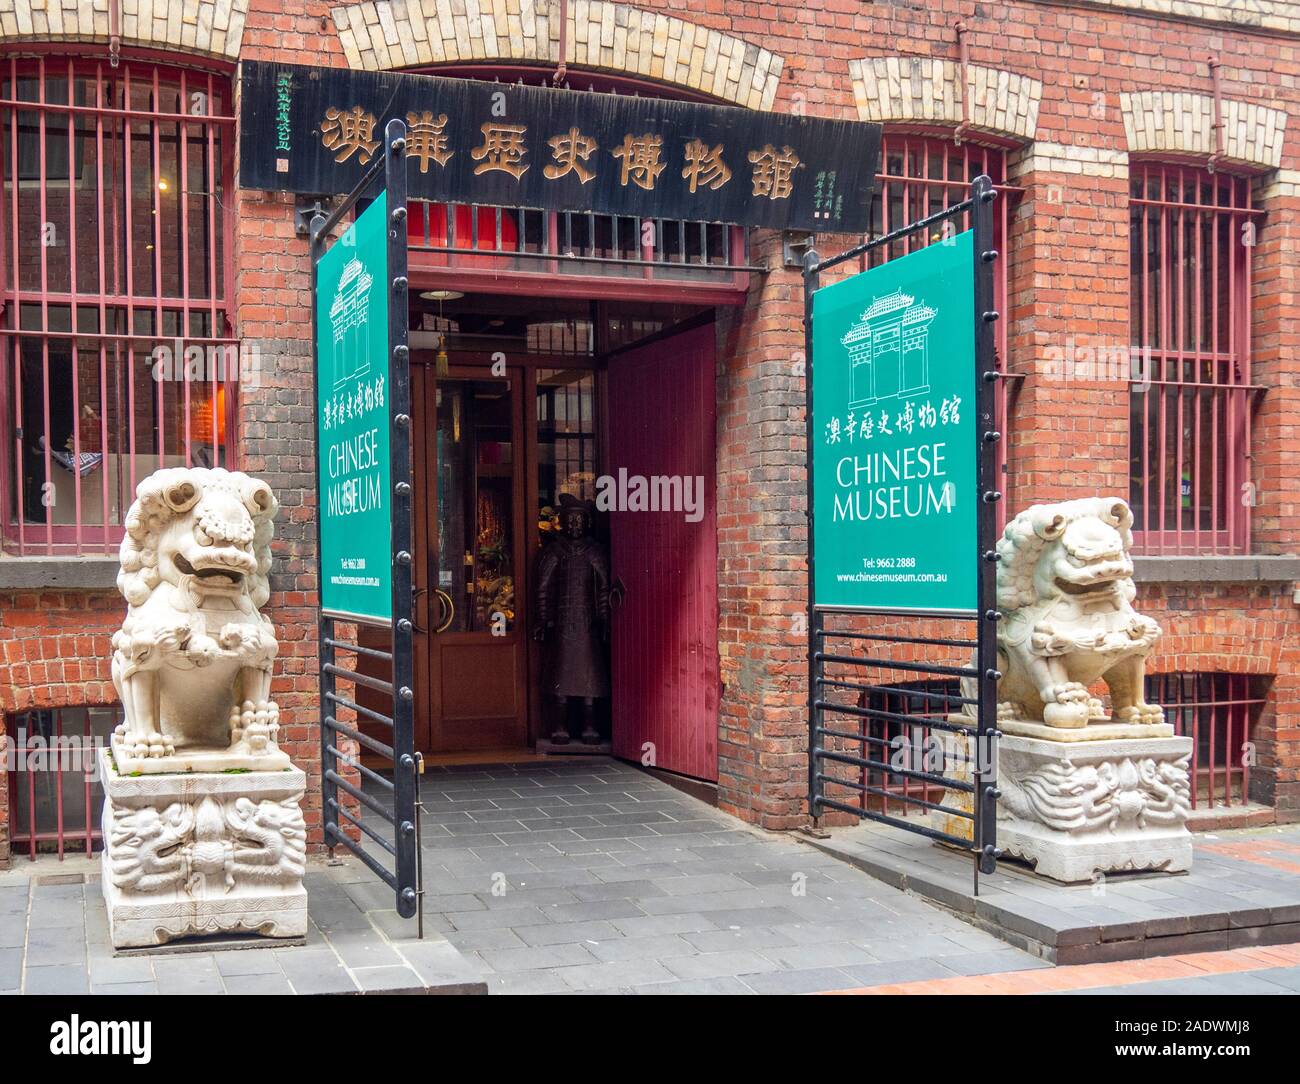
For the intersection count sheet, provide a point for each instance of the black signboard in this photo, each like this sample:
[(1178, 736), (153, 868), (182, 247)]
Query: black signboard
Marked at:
[(313, 131)]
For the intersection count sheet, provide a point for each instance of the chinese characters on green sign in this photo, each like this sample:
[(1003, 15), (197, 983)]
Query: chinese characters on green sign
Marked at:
[(894, 448), (352, 420)]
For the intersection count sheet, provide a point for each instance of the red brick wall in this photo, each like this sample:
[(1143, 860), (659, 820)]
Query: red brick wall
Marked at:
[(1069, 278), (54, 652)]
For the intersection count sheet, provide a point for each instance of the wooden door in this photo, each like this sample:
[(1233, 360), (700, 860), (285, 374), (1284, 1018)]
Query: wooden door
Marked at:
[(470, 532), (664, 634)]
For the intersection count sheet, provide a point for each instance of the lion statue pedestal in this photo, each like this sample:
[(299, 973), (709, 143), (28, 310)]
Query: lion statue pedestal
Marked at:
[(1082, 793), (204, 853), (202, 825)]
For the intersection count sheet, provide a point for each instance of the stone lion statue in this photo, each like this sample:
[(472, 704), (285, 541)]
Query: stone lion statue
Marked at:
[(1065, 588), (192, 662)]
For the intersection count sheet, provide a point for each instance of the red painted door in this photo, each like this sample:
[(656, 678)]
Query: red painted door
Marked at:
[(664, 634)]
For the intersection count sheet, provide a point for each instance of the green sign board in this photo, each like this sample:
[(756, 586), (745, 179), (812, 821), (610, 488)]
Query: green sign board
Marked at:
[(352, 421), (895, 487)]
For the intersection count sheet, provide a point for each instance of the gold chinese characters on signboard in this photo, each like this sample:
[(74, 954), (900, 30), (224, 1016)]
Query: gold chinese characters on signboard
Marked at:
[(504, 148)]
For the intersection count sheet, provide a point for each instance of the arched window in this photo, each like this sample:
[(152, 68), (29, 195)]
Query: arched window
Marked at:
[(115, 350), (1219, 713), (921, 174), (1190, 239)]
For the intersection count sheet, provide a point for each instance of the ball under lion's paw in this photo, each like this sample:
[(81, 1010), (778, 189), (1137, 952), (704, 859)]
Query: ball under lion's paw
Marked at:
[(1071, 708), (1066, 716)]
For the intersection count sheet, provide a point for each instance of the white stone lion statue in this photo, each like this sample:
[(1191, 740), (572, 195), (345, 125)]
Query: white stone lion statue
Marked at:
[(192, 662), (1065, 589)]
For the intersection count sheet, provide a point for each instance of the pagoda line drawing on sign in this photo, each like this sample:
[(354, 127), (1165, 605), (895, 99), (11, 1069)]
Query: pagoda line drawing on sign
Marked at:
[(889, 350), (350, 311)]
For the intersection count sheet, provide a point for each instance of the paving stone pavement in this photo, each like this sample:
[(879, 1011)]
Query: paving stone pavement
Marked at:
[(592, 876), (54, 940), (1242, 890), (557, 877)]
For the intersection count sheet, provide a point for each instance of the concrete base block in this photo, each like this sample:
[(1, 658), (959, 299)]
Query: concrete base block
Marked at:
[(203, 853), (1078, 809)]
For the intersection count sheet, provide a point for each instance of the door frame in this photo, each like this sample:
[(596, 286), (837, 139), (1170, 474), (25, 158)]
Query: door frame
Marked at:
[(476, 365)]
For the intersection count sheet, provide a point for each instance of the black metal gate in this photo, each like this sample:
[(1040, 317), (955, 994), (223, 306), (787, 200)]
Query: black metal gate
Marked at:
[(876, 717), (392, 796)]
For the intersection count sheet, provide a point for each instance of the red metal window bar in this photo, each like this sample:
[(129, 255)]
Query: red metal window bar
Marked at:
[(912, 745), (113, 244), (921, 175), (578, 254), (1218, 712), (55, 796), (1191, 234)]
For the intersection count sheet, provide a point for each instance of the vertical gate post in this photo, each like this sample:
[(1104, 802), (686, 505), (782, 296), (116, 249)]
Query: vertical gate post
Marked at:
[(324, 624), (405, 781), (985, 768), (811, 281), (385, 232)]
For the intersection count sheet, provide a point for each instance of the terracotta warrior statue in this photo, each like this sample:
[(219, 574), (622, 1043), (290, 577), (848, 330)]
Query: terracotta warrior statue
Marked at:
[(573, 618)]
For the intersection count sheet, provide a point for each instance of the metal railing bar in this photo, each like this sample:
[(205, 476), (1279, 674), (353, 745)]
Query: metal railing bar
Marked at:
[(847, 735), (935, 642), (344, 702), (376, 867), (896, 822), (369, 773), (896, 235), (896, 717), (378, 684), (365, 739), (906, 773), (361, 796), (831, 683), (369, 652), (342, 812), (894, 664), (195, 119), (903, 796), (902, 690)]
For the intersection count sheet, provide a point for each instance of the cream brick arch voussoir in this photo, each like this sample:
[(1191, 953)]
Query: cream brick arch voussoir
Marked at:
[(378, 35), (212, 27), (927, 90)]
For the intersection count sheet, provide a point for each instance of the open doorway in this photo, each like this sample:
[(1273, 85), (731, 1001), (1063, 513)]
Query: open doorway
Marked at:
[(520, 407)]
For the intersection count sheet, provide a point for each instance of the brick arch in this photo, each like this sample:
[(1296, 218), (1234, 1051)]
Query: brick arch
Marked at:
[(55, 650), (378, 35), (1182, 655), (926, 90), (214, 27), (1177, 122)]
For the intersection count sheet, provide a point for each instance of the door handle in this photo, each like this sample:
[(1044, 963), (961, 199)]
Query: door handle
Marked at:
[(416, 592), (446, 610)]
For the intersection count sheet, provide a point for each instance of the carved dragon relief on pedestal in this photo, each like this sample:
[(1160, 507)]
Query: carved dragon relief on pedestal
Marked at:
[(207, 847), (1111, 795)]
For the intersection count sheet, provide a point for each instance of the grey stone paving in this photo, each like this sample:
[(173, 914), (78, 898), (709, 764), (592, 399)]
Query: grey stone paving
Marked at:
[(1243, 890), (556, 877), (571, 877), (591, 876), (54, 927)]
